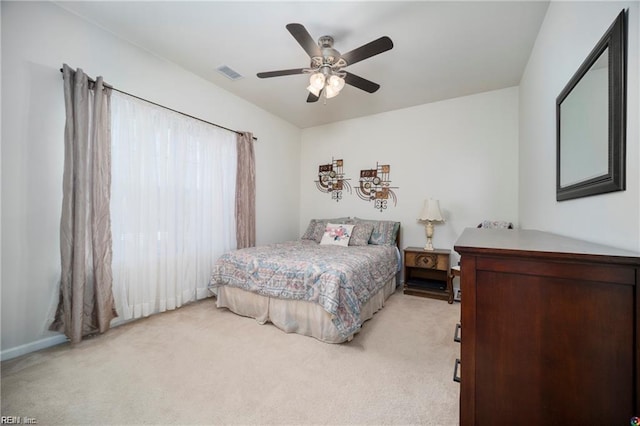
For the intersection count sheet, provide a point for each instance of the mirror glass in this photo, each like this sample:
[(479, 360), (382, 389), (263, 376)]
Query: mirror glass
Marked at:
[(591, 120), (584, 131)]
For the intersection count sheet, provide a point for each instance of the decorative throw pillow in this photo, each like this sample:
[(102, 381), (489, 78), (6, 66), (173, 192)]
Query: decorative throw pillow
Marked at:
[(361, 234), (384, 232), (316, 227), (337, 234), (315, 230), (319, 230), (309, 234)]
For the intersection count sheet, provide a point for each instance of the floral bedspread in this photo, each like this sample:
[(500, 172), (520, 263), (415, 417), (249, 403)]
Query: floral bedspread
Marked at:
[(340, 279)]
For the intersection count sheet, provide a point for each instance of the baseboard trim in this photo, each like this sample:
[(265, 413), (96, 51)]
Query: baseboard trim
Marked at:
[(47, 342), (50, 341)]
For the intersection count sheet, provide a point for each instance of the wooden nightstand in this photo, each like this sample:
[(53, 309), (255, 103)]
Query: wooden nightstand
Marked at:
[(426, 273)]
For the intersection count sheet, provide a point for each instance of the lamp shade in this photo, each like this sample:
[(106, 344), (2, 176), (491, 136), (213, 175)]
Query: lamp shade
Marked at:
[(431, 211), (317, 80), (336, 82), (314, 90), (331, 91)]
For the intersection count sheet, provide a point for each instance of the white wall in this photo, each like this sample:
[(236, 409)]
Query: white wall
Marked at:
[(569, 32), (37, 38), (462, 151)]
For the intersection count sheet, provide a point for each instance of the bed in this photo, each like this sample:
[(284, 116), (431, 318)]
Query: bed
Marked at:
[(325, 285)]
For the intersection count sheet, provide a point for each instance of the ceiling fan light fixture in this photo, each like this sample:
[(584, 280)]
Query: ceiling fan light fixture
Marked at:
[(336, 82), (331, 91), (317, 80), (314, 90)]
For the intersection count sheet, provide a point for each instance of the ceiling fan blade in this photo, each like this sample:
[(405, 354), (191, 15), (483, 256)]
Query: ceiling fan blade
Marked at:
[(302, 36), (361, 83), (314, 98), (368, 50), (280, 73)]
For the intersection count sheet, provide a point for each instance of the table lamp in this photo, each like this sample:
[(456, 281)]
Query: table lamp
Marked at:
[(430, 213)]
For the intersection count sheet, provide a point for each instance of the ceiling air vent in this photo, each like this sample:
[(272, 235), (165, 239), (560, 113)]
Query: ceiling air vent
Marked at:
[(228, 72)]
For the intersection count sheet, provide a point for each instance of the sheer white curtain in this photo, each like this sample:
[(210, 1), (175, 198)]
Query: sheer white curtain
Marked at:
[(172, 205)]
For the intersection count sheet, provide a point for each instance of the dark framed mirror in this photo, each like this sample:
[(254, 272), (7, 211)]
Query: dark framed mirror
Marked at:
[(591, 120)]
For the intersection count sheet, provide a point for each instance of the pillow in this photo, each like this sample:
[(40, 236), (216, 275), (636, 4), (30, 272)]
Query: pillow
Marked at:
[(315, 229), (337, 234), (384, 232), (361, 234)]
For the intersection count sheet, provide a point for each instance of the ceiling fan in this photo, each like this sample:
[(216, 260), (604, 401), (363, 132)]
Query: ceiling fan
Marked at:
[(326, 69)]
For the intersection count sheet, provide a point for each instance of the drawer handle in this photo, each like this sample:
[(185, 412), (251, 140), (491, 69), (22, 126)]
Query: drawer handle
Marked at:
[(456, 377), (456, 336), (427, 261)]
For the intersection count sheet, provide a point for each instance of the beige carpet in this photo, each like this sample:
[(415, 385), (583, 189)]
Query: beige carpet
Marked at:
[(203, 365)]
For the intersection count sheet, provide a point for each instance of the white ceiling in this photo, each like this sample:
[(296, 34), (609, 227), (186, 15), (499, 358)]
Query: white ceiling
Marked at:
[(441, 50)]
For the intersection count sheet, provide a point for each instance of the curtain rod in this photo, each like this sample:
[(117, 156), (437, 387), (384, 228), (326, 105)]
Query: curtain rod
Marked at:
[(170, 109)]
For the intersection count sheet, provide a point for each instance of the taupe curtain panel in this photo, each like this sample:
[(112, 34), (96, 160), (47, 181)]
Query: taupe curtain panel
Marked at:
[(245, 192), (86, 303)]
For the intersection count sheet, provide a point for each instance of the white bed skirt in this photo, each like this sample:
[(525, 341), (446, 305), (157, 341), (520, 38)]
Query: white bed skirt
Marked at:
[(295, 316)]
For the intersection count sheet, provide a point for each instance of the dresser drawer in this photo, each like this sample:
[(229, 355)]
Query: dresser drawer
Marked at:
[(427, 261)]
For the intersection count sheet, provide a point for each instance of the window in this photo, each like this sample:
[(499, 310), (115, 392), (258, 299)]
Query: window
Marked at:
[(172, 205)]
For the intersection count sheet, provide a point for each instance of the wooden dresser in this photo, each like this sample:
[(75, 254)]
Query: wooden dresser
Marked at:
[(550, 330)]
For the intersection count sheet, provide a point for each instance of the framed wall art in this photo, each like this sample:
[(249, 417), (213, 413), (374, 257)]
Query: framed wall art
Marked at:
[(331, 179), (375, 186)]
